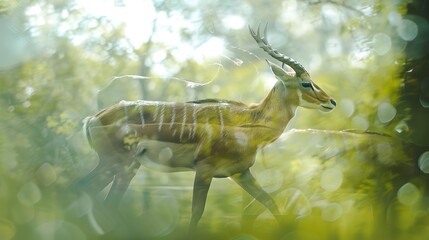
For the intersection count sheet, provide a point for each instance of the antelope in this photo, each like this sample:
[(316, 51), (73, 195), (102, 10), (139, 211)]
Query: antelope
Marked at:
[(216, 138)]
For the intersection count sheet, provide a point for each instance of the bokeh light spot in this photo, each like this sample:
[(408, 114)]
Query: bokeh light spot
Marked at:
[(424, 102), (381, 43), (9, 163), (360, 123), (332, 212), (424, 162), (408, 194), (417, 48), (81, 206), (384, 152), (386, 112), (407, 30), (347, 107), (402, 126), (394, 18), (46, 174), (7, 229), (331, 179), (60, 229), (165, 155), (271, 179), (29, 194)]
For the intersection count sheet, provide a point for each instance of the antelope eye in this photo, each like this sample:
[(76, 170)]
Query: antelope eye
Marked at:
[(306, 85)]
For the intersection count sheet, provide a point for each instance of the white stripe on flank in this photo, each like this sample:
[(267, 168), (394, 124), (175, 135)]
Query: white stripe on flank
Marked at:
[(125, 112), (123, 125), (194, 120), (141, 115), (173, 116), (161, 117), (182, 129), (220, 121), (155, 113), (209, 129)]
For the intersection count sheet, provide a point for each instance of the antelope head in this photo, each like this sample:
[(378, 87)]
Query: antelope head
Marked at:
[(300, 87)]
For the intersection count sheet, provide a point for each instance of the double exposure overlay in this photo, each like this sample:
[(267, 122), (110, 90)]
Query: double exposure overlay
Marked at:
[(192, 75)]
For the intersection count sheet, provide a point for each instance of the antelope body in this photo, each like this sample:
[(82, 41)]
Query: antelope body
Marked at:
[(213, 137)]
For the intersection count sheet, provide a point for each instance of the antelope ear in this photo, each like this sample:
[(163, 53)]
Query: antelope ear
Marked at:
[(280, 73)]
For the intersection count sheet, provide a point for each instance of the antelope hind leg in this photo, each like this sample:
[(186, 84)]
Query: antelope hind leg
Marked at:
[(246, 180), (251, 210)]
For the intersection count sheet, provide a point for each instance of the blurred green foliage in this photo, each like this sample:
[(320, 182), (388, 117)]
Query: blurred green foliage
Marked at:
[(58, 63)]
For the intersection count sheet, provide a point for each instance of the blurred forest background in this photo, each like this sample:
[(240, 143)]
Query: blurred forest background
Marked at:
[(363, 174)]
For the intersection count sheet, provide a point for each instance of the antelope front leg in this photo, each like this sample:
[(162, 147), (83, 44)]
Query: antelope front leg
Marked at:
[(104, 173), (203, 179), (120, 183), (246, 180)]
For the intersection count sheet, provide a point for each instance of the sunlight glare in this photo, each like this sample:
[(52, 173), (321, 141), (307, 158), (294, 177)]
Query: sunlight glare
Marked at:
[(137, 15), (234, 22), (211, 49), (333, 47)]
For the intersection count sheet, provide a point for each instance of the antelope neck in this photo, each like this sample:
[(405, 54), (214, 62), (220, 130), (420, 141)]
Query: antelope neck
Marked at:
[(278, 108)]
